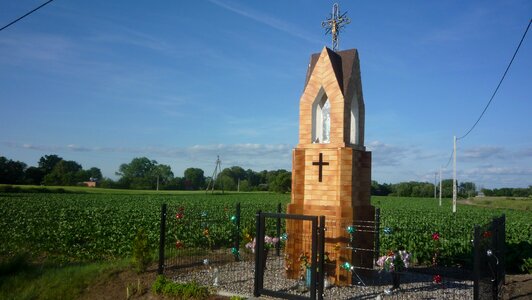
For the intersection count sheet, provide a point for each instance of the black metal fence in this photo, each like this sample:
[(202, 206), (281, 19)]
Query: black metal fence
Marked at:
[(205, 238), (270, 275), (214, 245)]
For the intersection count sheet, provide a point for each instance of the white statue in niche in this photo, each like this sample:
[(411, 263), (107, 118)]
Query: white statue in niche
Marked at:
[(326, 122), (321, 119)]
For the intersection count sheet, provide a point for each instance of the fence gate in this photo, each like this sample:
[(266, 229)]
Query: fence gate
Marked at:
[(488, 259), (272, 269)]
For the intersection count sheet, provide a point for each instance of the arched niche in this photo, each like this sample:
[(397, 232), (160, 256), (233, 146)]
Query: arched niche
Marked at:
[(321, 119)]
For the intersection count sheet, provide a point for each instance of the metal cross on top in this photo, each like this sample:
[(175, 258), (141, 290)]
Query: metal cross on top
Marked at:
[(334, 24)]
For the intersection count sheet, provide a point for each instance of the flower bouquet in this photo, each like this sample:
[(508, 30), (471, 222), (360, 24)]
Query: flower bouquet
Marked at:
[(394, 262), (269, 242)]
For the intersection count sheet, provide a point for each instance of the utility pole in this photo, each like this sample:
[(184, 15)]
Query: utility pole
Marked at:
[(157, 181), (215, 176), (440, 186), (435, 175), (454, 175)]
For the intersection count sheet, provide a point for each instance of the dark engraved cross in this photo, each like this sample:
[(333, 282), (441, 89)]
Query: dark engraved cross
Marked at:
[(320, 163)]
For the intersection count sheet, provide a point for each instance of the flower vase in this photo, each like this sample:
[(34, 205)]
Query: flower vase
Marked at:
[(396, 278), (308, 276)]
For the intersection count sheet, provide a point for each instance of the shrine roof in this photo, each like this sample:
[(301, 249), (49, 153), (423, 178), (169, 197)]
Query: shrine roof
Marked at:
[(342, 63)]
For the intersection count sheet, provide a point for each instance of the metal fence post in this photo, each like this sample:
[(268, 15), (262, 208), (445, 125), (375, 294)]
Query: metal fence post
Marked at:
[(237, 231), (278, 245), (162, 236), (476, 263), (258, 259), (377, 234), (321, 263)]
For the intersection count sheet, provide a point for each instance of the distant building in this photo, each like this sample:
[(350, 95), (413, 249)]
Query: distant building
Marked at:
[(90, 183), (93, 181)]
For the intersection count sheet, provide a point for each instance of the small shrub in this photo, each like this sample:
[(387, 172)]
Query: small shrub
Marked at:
[(526, 267), (180, 290), (141, 251)]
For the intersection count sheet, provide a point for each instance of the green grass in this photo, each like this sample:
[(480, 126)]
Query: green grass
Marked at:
[(503, 202), (38, 281), (89, 190)]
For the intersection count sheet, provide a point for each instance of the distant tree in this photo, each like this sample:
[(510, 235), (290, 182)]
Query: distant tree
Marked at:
[(65, 172), (194, 179), (244, 186), (177, 183), (378, 189), (11, 171), (107, 183), (140, 173), (227, 182), (48, 162), (402, 189), (467, 189), (95, 173), (34, 175), (253, 178), (281, 182), (447, 188), (165, 175)]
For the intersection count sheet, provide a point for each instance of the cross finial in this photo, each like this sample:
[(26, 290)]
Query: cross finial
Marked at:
[(334, 24)]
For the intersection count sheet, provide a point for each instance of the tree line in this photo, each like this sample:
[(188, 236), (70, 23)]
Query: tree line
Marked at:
[(51, 170), (423, 189), (140, 173), (143, 173), (509, 192)]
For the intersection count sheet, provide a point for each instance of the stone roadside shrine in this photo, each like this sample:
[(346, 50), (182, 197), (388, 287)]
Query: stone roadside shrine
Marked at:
[(331, 169)]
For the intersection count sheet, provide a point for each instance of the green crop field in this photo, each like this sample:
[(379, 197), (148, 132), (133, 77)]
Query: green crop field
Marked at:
[(77, 227)]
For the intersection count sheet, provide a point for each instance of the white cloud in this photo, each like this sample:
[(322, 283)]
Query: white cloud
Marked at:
[(386, 154), (482, 152), (270, 21)]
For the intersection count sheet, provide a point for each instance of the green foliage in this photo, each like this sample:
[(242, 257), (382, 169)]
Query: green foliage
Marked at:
[(76, 227), (509, 192), (29, 281), (237, 298), (48, 162), (281, 182), (141, 251), (141, 173), (526, 267), (11, 171), (65, 172), (180, 290), (194, 179)]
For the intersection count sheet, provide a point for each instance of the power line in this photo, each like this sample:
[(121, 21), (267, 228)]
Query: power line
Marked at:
[(27, 14), (450, 158), (500, 82)]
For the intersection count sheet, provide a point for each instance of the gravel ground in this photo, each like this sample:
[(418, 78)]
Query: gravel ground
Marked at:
[(237, 278)]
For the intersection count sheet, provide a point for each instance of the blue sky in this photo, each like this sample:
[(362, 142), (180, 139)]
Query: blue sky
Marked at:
[(102, 82)]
